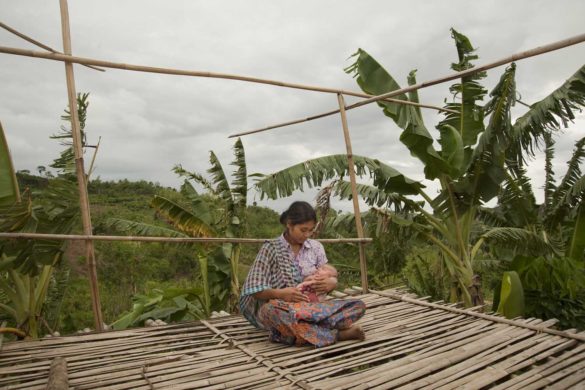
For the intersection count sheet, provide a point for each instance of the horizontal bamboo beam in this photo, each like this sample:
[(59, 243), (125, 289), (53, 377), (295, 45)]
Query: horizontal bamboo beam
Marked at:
[(575, 336), (39, 44), (55, 56), (220, 240), (514, 57)]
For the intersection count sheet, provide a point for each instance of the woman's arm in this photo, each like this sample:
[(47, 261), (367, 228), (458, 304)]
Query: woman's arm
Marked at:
[(289, 294), (323, 285)]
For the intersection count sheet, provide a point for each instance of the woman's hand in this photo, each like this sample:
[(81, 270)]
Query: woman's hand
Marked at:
[(323, 284), (292, 294)]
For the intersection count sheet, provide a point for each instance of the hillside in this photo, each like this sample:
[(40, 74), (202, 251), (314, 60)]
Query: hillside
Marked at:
[(126, 269)]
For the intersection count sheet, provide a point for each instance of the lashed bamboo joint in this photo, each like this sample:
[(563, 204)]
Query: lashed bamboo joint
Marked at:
[(410, 343)]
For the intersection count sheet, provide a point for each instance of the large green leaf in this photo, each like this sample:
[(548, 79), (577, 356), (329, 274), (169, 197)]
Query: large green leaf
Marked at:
[(19, 217), (373, 196), (511, 296), (182, 219), (576, 247), (66, 161), (486, 169), (219, 179), (549, 113), (314, 172), (9, 192), (58, 214), (468, 119), (375, 80), (573, 174), (567, 205), (452, 149), (521, 240), (503, 97), (196, 177), (549, 175), (516, 200), (199, 207), (141, 229)]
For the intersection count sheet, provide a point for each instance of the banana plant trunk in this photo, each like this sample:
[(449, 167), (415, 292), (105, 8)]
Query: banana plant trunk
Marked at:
[(235, 283)]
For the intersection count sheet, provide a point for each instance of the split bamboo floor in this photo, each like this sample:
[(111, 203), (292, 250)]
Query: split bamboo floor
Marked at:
[(410, 344)]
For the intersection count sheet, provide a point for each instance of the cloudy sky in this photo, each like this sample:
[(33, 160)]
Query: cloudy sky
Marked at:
[(148, 122)]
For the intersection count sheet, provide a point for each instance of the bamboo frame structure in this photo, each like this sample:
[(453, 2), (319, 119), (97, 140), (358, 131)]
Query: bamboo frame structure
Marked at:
[(354, 194), (80, 170), (89, 238)]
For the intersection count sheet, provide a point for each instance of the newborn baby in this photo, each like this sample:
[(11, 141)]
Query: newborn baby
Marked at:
[(325, 271)]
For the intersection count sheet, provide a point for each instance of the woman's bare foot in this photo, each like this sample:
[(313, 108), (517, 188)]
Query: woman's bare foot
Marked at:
[(354, 332)]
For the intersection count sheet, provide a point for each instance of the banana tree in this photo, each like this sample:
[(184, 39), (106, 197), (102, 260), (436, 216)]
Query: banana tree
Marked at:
[(545, 278), (27, 266), (224, 216), (470, 165), (558, 222)]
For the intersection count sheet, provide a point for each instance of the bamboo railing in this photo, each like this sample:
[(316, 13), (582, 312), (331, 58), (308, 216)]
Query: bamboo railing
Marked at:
[(213, 240)]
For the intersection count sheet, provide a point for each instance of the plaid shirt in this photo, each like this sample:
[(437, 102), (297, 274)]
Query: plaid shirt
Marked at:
[(275, 267), (310, 257)]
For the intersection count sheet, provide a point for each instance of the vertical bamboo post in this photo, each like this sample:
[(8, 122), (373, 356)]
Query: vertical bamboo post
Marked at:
[(354, 195), (80, 170)]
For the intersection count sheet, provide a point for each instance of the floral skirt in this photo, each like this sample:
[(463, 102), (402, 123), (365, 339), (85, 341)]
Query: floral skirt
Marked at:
[(315, 323)]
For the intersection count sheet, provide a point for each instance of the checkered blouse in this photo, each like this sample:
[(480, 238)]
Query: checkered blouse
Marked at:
[(275, 267)]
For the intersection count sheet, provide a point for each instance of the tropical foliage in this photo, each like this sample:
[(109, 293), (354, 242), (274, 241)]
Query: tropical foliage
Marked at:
[(479, 149), (552, 279), (27, 266), (223, 216)]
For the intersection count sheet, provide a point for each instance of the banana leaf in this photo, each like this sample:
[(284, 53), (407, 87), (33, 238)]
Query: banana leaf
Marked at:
[(315, 171), (375, 80), (577, 245), (511, 302), (9, 192)]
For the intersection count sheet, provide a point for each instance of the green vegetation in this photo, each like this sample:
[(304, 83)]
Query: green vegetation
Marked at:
[(482, 157)]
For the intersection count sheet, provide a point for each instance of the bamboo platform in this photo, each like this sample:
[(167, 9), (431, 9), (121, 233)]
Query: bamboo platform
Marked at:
[(410, 344)]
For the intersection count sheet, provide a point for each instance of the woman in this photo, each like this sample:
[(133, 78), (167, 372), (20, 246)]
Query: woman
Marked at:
[(270, 300)]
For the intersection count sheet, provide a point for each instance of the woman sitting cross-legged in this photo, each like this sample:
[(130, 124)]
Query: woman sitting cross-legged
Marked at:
[(271, 300)]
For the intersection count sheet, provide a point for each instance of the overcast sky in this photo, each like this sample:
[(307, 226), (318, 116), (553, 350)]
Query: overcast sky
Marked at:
[(150, 122)]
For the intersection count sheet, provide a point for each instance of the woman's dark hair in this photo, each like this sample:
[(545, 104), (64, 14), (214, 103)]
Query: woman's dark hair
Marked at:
[(298, 212)]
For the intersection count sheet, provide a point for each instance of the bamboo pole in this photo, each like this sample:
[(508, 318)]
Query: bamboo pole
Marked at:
[(354, 195), (515, 57), (81, 178), (58, 379), (196, 73), (501, 320), (97, 147), (86, 237), (39, 44)]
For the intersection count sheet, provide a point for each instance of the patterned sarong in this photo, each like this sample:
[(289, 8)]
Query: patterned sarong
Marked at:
[(315, 323), (290, 323)]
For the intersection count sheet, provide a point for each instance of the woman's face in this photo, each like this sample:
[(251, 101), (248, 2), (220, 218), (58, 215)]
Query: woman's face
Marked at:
[(297, 234)]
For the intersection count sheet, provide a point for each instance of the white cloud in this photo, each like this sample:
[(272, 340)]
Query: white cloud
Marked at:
[(150, 122)]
